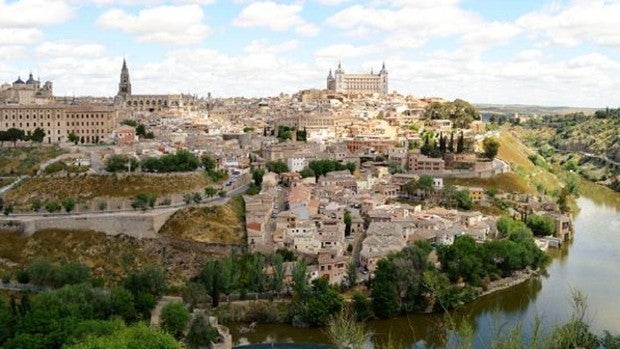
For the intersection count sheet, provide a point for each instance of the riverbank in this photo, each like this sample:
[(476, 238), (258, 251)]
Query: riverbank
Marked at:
[(277, 311), (519, 277)]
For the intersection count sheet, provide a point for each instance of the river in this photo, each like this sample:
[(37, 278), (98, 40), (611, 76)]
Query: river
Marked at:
[(590, 264)]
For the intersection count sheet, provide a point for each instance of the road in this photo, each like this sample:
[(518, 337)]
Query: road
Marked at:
[(215, 201), (8, 187)]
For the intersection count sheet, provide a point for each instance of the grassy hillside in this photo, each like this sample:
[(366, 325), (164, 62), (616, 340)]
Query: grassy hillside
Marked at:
[(520, 157), (86, 187), (596, 136), (24, 160), (509, 182), (216, 224), (6, 181), (110, 257)]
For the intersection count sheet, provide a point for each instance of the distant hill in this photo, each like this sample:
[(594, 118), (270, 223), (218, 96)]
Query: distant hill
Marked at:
[(511, 109)]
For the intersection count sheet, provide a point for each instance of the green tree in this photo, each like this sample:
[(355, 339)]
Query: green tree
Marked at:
[(278, 166), (348, 220), (491, 147), (321, 303), (69, 204), (38, 135), (361, 307), (208, 162), (463, 200), (211, 277), (73, 138), (460, 143), (121, 163), (3, 138), (200, 333), (197, 197), (300, 279), (540, 225), (563, 200), (410, 188), (307, 172), (210, 191), (52, 206), (351, 276), (257, 176), (136, 336), (174, 318), (425, 183), (14, 135), (383, 292), (122, 304), (277, 278), (7, 208), (143, 201)]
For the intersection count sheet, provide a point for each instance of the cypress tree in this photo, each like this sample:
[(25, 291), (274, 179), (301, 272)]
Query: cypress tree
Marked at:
[(460, 145)]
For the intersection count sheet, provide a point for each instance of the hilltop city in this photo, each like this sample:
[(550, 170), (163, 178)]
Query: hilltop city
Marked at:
[(349, 185)]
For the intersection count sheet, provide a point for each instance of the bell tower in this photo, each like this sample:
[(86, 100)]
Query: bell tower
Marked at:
[(124, 86)]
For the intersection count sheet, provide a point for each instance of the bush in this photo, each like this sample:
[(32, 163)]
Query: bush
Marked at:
[(55, 167), (22, 276), (69, 204), (540, 225), (201, 334), (6, 277), (174, 318), (52, 206)]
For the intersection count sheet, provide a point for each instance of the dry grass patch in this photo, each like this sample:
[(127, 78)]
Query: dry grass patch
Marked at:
[(108, 256), (6, 181), (508, 182), (214, 224), (87, 187), (515, 152), (25, 160)]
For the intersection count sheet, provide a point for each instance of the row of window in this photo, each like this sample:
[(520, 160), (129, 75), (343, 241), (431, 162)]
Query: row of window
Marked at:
[(20, 116)]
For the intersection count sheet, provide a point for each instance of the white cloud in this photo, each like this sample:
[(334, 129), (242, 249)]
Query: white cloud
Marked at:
[(593, 21), (68, 48), (339, 51), (164, 24), (277, 17), (149, 2), (19, 36), (262, 46), (490, 33), (332, 2), (33, 13), (411, 24)]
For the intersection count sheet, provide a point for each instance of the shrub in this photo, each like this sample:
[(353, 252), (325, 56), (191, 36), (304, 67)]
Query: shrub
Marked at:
[(174, 318)]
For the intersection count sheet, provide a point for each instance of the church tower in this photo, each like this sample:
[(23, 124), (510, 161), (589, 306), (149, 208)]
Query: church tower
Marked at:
[(383, 74), (124, 86)]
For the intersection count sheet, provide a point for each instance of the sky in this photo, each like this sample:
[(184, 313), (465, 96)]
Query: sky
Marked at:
[(484, 51)]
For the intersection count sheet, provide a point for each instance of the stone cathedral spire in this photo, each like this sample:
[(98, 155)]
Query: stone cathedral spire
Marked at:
[(124, 86)]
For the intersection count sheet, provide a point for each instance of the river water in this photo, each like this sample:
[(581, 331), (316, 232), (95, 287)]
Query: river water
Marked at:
[(590, 264)]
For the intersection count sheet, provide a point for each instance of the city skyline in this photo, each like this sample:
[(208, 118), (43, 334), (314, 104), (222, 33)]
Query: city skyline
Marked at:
[(557, 53)]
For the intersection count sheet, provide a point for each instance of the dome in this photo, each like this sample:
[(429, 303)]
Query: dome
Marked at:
[(19, 80), (31, 80)]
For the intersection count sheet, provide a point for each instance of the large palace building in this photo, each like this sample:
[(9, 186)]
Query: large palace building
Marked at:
[(360, 83), (150, 103), (28, 106)]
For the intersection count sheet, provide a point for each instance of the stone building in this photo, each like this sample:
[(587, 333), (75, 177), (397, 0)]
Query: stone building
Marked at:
[(150, 103), (90, 123), (361, 83), (28, 92)]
